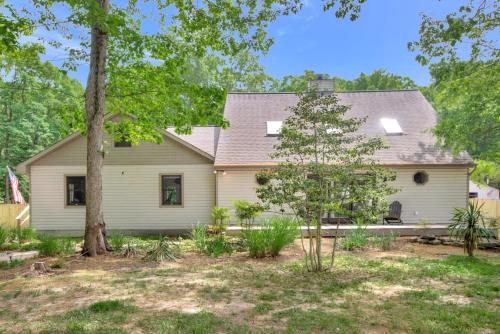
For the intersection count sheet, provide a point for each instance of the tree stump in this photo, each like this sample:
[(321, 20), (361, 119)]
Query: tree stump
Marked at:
[(40, 267)]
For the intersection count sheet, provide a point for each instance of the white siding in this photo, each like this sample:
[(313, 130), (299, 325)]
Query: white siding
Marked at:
[(237, 185), (131, 196), (169, 152), (445, 190)]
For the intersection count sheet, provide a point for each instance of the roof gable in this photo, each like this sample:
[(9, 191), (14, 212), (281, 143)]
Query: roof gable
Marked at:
[(72, 150)]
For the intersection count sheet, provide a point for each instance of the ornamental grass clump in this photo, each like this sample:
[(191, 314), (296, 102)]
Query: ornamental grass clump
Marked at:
[(283, 231), (117, 242), (52, 246), (386, 240), (4, 235), (356, 239), (271, 237), (199, 235)]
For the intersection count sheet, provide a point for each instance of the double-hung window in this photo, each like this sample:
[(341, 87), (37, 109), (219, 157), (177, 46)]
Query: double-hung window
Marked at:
[(75, 191), (172, 191)]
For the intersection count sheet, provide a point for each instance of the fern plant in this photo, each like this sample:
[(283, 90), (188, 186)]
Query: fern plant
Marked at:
[(220, 220), (469, 225)]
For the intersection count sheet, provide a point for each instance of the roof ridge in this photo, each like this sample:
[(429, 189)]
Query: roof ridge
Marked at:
[(339, 91)]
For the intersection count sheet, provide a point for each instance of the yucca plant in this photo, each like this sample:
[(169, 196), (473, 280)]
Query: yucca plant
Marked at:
[(163, 249), (469, 225)]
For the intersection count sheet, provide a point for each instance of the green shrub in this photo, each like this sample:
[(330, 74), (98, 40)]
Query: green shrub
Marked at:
[(199, 234), (163, 249), (52, 246), (4, 235), (272, 236), (246, 212), (385, 241), (355, 239), (220, 220), (117, 242), (218, 245), (214, 245)]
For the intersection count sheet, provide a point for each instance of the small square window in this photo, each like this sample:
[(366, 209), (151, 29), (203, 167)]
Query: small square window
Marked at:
[(171, 190), (75, 190)]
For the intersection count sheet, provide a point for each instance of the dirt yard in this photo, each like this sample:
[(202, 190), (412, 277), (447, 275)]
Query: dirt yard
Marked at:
[(413, 288)]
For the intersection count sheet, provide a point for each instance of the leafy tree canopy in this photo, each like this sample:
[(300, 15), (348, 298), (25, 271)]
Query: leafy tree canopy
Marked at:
[(463, 50), (39, 104), (165, 75), (470, 32), (467, 95), (377, 80), (486, 172), (11, 28)]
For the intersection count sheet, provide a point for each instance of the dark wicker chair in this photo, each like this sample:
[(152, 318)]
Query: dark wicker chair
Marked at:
[(394, 214)]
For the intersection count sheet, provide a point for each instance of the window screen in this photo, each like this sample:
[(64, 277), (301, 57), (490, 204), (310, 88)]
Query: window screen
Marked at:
[(75, 190), (171, 190)]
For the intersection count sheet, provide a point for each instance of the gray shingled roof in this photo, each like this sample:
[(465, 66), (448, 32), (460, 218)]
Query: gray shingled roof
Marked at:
[(203, 137), (245, 141)]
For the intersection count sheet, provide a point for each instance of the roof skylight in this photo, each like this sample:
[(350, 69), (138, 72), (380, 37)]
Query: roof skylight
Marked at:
[(273, 127), (391, 126)]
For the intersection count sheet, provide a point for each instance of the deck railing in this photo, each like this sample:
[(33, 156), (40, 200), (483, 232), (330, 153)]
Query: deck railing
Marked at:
[(23, 217)]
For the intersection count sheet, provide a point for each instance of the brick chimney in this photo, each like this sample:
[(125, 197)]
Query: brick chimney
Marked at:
[(322, 85)]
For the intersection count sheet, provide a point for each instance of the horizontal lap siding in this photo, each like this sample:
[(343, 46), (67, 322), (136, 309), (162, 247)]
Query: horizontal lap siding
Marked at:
[(131, 199), (169, 152), (445, 190), (236, 185)]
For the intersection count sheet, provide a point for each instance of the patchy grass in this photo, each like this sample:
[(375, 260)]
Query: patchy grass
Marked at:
[(11, 264), (412, 289), (199, 323)]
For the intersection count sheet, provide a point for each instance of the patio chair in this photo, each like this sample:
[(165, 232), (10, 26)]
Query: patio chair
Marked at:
[(394, 214)]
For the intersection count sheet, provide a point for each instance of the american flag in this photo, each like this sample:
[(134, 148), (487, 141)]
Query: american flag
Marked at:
[(14, 183)]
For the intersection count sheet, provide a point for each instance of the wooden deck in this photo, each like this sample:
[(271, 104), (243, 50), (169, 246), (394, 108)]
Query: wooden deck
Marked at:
[(402, 230)]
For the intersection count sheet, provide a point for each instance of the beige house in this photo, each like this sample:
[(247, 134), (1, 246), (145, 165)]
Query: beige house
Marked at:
[(173, 185)]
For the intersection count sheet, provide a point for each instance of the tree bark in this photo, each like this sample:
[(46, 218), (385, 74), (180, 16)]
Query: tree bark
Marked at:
[(94, 108)]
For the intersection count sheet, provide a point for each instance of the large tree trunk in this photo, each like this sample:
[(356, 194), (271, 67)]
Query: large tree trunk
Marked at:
[(94, 108)]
